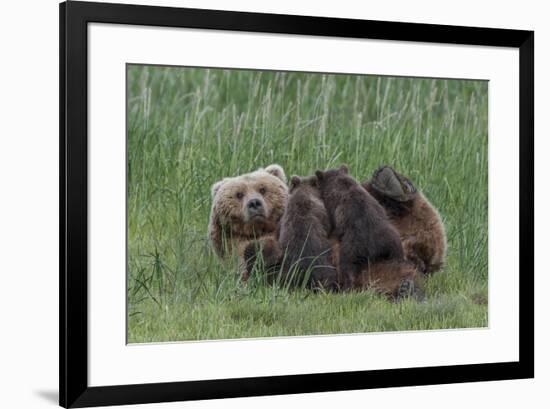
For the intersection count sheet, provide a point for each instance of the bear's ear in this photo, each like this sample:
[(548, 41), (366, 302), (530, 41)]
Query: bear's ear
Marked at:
[(319, 174), (215, 187), (314, 181), (294, 181), (344, 169), (277, 171)]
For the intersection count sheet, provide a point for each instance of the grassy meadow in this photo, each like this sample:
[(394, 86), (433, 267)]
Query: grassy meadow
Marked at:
[(189, 127)]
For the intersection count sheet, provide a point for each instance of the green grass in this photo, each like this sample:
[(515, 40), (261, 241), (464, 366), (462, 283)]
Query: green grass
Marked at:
[(188, 128)]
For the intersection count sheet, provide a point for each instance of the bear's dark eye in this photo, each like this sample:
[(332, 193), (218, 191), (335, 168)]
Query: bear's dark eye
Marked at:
[(262, 190), (239, 195)]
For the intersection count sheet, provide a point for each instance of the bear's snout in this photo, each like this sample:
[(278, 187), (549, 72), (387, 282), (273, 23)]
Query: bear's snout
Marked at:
[(254, 204), (255, 208)]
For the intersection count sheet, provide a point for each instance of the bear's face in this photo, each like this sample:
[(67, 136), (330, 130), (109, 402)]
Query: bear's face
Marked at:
[(252, 203)]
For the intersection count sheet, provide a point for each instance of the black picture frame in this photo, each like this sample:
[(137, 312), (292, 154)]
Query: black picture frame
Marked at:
[(73, 349)]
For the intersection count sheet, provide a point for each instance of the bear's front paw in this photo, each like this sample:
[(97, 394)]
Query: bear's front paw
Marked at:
[(250, 256), (263, 255), (393, 185), (406, 289), (271, 253)]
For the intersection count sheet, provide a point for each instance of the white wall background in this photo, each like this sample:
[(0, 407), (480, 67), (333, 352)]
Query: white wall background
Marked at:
[(29, 201)]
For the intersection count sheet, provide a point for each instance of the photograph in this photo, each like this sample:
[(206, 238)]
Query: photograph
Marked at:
[(278, 204), (268, 202)]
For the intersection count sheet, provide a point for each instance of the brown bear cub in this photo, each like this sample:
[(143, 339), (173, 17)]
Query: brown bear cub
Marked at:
[(359, 223), (304, 236), (417, 221)]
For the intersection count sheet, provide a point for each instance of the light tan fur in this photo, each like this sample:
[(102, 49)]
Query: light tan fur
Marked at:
[(231, 227)]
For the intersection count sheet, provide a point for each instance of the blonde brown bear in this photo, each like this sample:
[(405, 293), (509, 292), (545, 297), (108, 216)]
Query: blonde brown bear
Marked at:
[(247, 209)]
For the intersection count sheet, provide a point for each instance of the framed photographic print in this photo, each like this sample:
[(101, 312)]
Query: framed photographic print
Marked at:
[(256, 204)]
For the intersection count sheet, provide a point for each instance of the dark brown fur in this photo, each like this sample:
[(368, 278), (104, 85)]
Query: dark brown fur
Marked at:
[(386, 277), (303, 235), (359, 223), (417, 221)]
